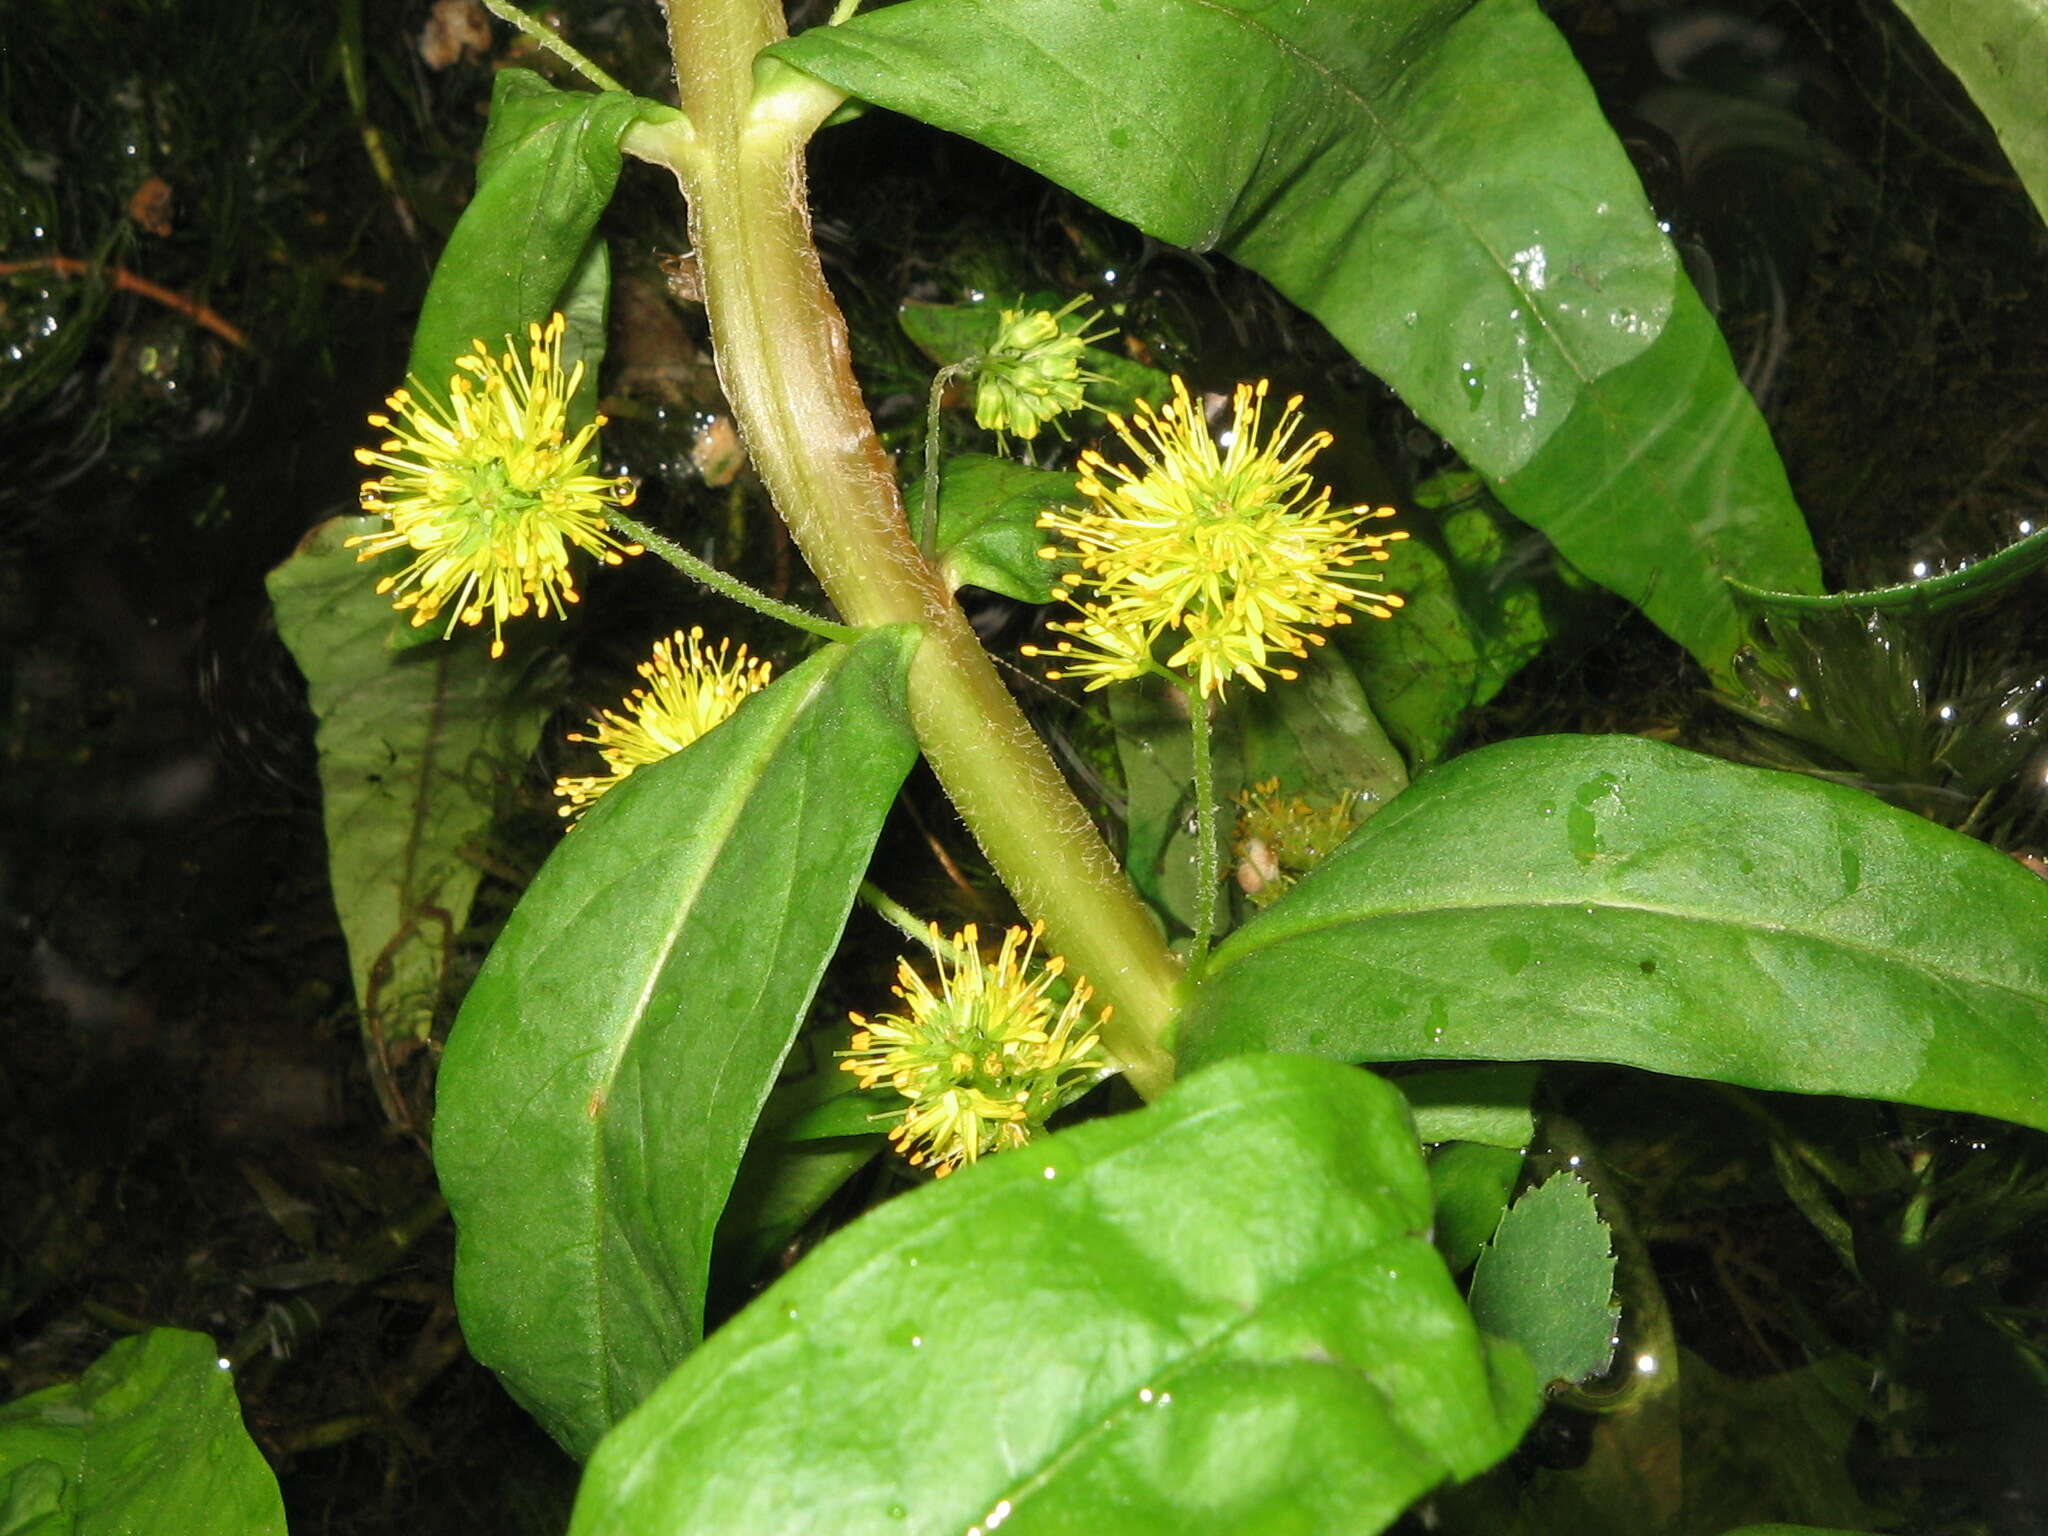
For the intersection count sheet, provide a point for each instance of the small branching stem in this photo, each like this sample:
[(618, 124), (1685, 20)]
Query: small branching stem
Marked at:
[(559, 47), (730, 586)]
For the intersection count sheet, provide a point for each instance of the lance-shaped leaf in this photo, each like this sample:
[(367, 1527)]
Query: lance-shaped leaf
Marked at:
[(415, 748), (149, 1439), (1999, 50), (1665, 483), (1429, 178), (1611, 899), (550, 161), (611, 1058), (1217, 1315)]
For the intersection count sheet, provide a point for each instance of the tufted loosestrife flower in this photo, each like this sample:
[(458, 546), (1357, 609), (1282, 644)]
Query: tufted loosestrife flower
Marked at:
[(984, 1059), (488, 491), (1031, 373), (1220, 549), (691, 688)]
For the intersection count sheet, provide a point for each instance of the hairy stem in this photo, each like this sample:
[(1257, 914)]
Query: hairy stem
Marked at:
[(782, 353), (727, 585)]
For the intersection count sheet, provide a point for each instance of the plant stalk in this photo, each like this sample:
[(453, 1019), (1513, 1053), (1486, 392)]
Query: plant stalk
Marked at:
[(783, 358)]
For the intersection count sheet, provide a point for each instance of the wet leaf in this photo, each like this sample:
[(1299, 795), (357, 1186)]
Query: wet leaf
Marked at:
[(1433, 181), (1610, 899), (1935, 594), (1216, 1315), (416, 750), (1665, 483), (149, 1439), (612, 1056)]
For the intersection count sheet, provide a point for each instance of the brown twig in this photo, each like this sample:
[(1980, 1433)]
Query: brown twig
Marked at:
[(199, 314)]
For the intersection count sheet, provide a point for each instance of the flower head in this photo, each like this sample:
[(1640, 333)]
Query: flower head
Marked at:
[(1221, 549), (984, 1059), (1031, 374), (1281, 837), (488, 491), (691, 688)]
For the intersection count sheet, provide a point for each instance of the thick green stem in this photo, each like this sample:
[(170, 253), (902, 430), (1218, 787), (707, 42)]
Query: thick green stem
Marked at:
[(782, 356)]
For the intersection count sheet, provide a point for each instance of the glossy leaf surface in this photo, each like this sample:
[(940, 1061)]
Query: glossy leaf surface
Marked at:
[(1433, 181), (1665, 483), (613, 1054), (1547, 1281), (416, 748), (1218, 1314), (1611, 899), (148, 1440)]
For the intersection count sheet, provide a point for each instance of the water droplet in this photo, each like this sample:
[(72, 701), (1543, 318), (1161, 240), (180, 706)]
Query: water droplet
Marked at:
[(1052, 1173), (898, 1512), (1144, 1394)]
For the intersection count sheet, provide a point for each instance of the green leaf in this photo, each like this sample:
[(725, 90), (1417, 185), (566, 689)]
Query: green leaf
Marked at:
[(550, 161), (1468, 625), (1471, 1184), (611, 1059), (416, 749), (1547, 1281), (1432, 179), (1217, 1314), (149, 1439), (1435, 183), (1999, 50), (988, 524), (1487, 1104), (1317, 736), (1664, 483), (1935, 594), (1611, 899)]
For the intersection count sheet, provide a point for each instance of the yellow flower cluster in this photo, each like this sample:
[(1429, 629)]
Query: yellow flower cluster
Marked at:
[(691, 688), (1031, 373), (984, 1059), (1221, 551), (488, 491), (1281, 837)]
